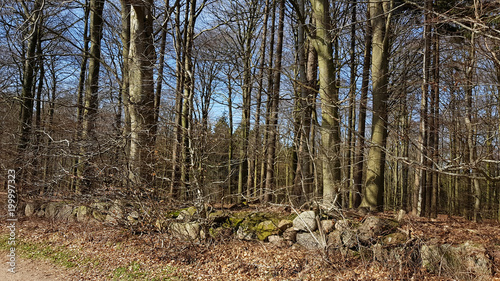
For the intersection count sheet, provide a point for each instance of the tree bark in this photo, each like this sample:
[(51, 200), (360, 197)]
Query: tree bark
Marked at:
[(141, 87), (380, 20), (330, 130), (274, 104), (365, 80), (86, 168)]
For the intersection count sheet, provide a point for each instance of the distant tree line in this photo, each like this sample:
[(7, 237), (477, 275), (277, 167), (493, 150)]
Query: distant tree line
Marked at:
[(381, 104)]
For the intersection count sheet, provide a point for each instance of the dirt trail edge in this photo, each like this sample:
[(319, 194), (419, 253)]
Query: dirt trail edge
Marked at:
[(31, 270)]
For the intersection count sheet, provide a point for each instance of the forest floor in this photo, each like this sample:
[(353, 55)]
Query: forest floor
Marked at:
[(55, 250)]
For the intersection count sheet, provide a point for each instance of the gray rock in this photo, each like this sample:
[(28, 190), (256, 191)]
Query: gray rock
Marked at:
[(371, 228), (65, 213), (306, 221), (327, 226), (310, 240), (30, 209), (342, 225), (290, 235), (244, 234), (186, 231), (82, 213), (275, 239), (51, 210), (459, 262)]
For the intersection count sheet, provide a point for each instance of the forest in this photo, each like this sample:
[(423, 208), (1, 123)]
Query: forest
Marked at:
[(380, 104)]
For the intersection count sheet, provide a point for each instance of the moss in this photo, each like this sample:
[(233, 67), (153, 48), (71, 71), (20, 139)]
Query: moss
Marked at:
[(265, 229), (131, 271), (57, 255)]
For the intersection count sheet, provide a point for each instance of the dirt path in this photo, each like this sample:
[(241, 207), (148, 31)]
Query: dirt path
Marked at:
[(31, 270)]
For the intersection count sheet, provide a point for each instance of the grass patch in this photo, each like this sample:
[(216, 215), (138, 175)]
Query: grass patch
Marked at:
[(61, 256), (132, 271), (57, 255)]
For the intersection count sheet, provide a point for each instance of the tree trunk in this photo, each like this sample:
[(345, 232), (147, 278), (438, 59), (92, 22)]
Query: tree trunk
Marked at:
[(179, 73), (274, 104), (141, 87), (265, 194), (253, 167), (380, 20), (86, 168), (27, 90), (330, 130), (367, 55), (435, 125), (351, 140)]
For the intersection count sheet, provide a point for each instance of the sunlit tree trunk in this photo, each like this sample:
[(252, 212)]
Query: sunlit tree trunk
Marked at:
[(81, 89), (365, 80), (265, 194), (253, 167), (141, 87), (124, 87), (274, 104), (380, 20), (179, 75), (351, 140), (330, 131)]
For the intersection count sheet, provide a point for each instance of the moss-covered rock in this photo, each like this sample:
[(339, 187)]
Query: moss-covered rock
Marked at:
[(98, 215), (265, 229), (82, 213)]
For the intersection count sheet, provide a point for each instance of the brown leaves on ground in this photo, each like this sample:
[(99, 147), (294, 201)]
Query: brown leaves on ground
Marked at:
[(111, 253)]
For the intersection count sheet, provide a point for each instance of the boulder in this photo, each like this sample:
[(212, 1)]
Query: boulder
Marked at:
[(187, 215), (275, 239), (82, 213), (101, 206), (334, 239), (465, 261), (327, 226), (51, 210), (30, 209), (186, 231), (345, 233), (290, 234), (306, 221), (284, 225), (369, 231), (342, 225), (65, 213), (310, 240), (98, 216), (115, 214), (265, 229), (243, 233)]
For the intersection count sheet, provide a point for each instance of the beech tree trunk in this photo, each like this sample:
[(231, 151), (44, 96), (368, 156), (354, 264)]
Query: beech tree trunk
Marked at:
[(380, 20), (141, 87), (330, 130)]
